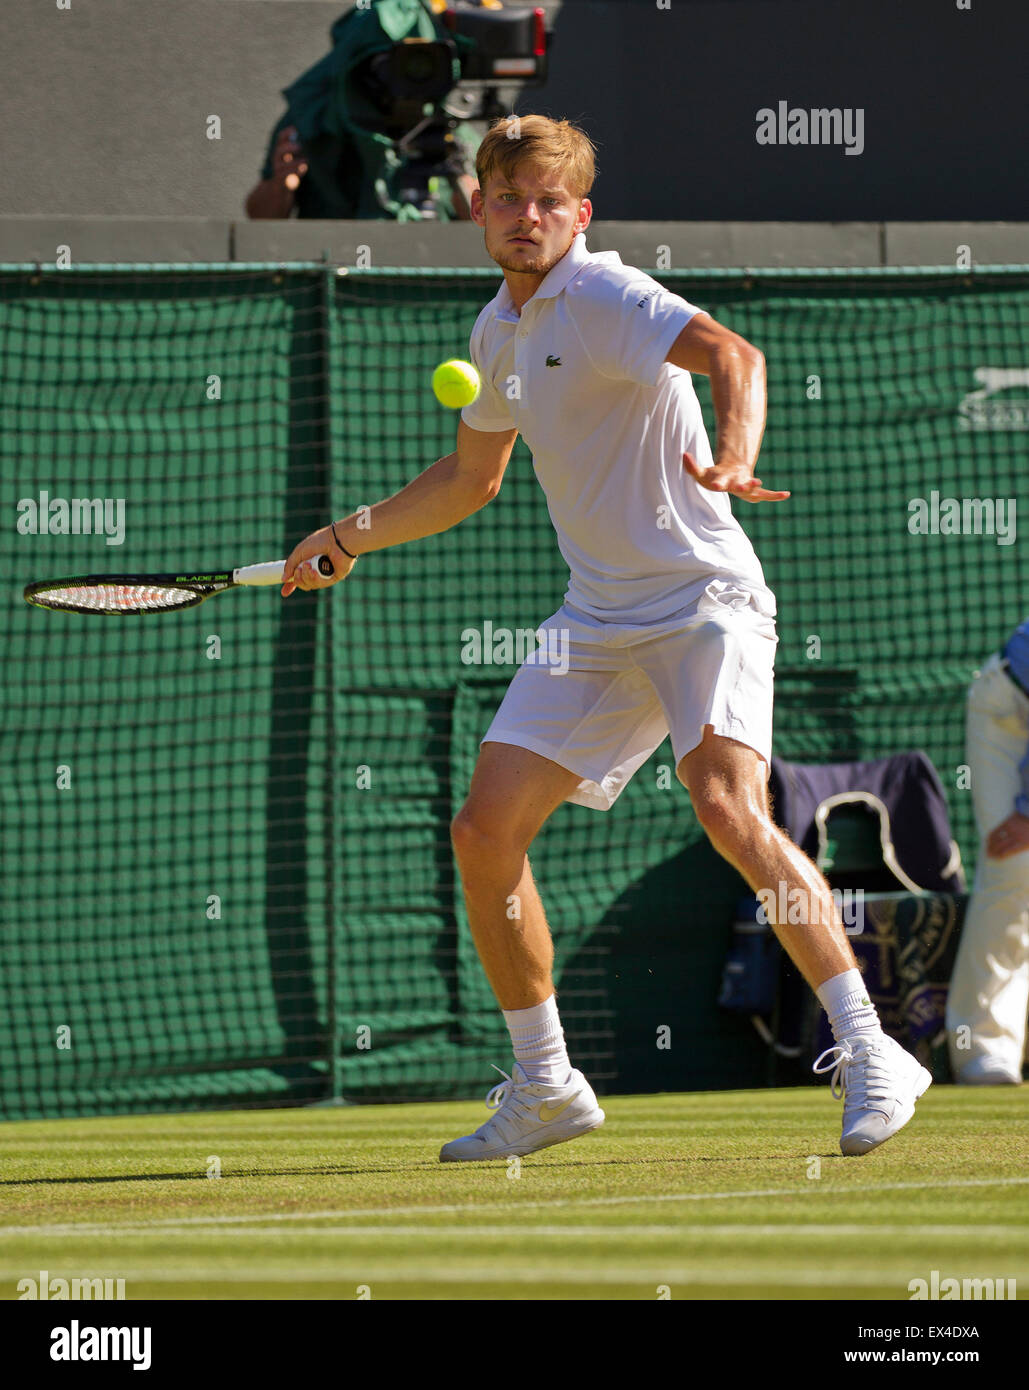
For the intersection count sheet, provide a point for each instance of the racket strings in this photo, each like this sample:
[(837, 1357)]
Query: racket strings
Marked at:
[(116, 598)]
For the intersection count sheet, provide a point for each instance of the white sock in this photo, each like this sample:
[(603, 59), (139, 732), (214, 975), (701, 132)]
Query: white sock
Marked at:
[(539, 1042), (846, 1000)]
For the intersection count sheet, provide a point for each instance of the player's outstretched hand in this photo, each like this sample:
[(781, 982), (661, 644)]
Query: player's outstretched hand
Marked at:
[(730, 477), (300, 573)]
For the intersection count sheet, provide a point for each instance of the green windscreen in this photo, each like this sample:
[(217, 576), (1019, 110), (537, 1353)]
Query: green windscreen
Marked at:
[(226, 869)]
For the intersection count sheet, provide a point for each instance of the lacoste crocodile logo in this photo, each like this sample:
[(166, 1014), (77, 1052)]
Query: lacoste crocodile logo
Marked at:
[(553, 361)]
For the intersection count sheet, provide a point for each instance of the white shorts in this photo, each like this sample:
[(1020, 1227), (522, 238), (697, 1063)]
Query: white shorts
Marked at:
[(598, 698)]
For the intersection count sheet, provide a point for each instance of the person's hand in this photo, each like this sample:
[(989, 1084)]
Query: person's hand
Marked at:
[(461, 200), (298, 571), (288, 163), (1008, 838), (730, 477)]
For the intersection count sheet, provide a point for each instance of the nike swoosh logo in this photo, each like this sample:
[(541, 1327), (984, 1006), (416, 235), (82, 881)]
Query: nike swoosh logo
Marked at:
[(551, 1112)]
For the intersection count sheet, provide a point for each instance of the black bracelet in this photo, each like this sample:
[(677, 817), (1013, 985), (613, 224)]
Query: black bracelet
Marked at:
[(345, 551)]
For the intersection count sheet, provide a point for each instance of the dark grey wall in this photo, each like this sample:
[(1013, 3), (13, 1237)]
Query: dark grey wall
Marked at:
[(104, 104), (671, 95)]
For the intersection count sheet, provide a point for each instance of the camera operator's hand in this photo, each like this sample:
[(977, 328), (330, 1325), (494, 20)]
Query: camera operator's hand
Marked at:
[(461, 201), (460, 172), (274, 197), (288, 163)]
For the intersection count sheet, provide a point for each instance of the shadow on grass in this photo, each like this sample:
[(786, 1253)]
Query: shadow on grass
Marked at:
[(343, 1170)]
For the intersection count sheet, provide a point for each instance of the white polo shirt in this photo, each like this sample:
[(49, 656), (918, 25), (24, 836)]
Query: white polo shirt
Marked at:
[(581, 374)]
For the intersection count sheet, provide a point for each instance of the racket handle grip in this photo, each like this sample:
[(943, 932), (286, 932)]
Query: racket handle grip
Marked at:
[(272, 572)]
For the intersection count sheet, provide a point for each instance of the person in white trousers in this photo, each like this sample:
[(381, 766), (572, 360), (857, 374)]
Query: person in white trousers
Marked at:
[(988, 1001)]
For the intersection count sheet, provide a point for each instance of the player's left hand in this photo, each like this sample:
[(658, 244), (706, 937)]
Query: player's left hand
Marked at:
[(1008, 838), (730, 477)]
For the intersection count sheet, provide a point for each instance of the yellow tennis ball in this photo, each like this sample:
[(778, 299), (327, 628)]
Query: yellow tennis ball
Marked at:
[(455, 383)]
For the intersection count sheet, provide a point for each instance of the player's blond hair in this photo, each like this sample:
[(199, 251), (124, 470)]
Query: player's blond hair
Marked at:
[(557, 147)]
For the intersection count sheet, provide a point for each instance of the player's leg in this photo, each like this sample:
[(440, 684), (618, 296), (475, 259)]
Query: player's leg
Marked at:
[(512, 794), (544, 1101), (727, 782), (572, 727), (728, 786), (714, 678)]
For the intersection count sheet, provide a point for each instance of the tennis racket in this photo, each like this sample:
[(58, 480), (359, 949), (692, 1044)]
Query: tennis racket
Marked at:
[(150, 593)]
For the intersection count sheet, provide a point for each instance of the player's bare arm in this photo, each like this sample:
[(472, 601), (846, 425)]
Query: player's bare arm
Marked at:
[(737, 372), (448, 491)]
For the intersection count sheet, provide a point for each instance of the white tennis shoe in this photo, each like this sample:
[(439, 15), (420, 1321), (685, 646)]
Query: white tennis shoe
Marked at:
[(529, 1116), (880, 1083)]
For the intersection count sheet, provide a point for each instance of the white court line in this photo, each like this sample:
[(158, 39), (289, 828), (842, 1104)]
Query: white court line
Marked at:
[(766, 1278), (495, 1232), (814, 1189)]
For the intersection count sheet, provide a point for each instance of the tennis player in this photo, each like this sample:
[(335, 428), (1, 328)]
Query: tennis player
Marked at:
[(667, 624)]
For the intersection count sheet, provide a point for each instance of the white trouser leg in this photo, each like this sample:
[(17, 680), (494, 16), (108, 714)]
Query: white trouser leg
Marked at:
[(989, 992)]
